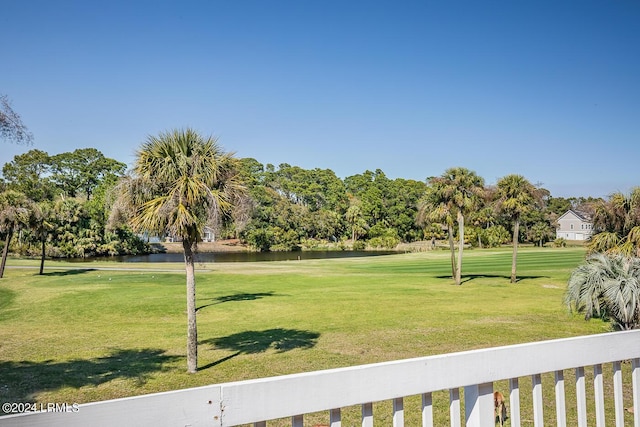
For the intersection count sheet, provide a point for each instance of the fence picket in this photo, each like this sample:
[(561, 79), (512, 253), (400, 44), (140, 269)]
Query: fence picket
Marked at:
[(561, 410), (581, 397), (454, 407), (297, 421), (617, 394), (538, 404), (427, 410), (398, 412), (635, 376), (335, 418), (598, 388), (367, 415), (514, 401)]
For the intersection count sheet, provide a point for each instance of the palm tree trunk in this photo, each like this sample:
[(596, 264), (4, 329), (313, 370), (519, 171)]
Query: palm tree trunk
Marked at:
[(5, 251), (460, 247), (514, 257), (453, 253), (42, 257), (192, 329)]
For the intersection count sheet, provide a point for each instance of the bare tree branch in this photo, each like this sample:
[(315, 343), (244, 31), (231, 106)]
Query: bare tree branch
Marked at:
[(11, 127)]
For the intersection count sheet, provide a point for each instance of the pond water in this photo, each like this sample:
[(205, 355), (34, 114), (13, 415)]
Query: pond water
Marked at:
[(239, 256)]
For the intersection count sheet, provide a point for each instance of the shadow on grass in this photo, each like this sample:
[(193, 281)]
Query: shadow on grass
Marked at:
[(237, 297), (20, 381), (468, 277), (69, 272), (252, 342)]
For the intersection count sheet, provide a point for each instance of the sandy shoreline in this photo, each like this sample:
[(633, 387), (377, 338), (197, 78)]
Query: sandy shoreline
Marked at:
[(219, 246)]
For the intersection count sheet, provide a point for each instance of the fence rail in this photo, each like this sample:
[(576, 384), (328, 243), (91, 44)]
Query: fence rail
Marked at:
[(293, 396)]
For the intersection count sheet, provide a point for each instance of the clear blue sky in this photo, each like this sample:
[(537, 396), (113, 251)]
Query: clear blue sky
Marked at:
[(546, 89)]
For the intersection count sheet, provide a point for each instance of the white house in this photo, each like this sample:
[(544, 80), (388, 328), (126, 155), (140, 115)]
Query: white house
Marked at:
[(208, 235), (574, 225)]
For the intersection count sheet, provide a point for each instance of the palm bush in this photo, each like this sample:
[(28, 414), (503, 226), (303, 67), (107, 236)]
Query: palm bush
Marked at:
[(607, 286)]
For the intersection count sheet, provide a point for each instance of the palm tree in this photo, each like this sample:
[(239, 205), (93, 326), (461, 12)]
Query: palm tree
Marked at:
[(432, 209), (15, 209), (607, 286), (180, 182), (43, 224), (617, 221), (515, 197), (456, 192)]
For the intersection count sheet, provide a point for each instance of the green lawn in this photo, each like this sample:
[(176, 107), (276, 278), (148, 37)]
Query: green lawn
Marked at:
[(77, 336)]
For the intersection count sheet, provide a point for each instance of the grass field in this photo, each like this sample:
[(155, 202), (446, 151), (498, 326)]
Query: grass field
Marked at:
[(77, 335)]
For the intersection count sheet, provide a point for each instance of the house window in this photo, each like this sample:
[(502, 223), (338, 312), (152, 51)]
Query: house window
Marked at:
[(572, 226)]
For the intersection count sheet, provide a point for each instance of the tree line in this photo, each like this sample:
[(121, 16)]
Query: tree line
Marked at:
[(71, 198)]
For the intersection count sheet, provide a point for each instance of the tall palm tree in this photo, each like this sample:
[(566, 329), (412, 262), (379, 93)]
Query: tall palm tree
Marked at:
[(42, 222), (458, 191), (515, 196), (432, 209), (180, 182), (15, 210), (607, 286)]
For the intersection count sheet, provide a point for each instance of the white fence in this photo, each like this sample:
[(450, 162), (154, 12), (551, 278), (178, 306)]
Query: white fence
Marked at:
[(293, 396)]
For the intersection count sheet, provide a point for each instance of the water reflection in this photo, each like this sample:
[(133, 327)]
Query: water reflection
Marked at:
[(239, 256)]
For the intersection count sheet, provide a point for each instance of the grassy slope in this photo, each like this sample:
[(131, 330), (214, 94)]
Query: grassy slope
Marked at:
[(78, 336)]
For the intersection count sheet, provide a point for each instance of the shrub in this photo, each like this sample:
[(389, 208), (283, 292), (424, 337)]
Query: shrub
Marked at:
[(607, 286), (560, 242), (359, 245)]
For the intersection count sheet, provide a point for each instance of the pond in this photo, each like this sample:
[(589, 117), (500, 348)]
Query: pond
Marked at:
[(239, 256)]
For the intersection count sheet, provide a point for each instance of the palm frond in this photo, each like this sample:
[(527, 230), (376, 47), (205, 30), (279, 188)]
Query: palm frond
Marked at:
[(607, 285)]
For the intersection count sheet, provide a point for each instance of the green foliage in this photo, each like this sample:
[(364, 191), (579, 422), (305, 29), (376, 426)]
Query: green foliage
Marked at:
[(28, 173), (288, 205), (607, 286), (383, 237), (617, 222), (260, 238), (560, 242), (540, 233), (494, 236), (82, 170), (359, 245), (69, 226)]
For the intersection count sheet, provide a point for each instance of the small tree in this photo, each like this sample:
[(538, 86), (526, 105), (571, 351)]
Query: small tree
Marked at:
[(607, 286), (15, 210)]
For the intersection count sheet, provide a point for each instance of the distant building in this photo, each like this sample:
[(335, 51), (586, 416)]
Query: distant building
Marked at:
[(208, 235), (574, 225)]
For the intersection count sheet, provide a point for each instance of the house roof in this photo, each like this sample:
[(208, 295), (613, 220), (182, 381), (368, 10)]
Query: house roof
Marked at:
[(583, 216)]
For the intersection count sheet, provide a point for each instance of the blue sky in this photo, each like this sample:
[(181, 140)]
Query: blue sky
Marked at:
[(546, 89)]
